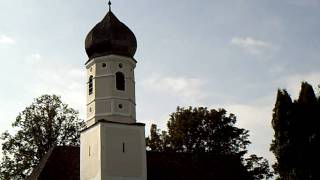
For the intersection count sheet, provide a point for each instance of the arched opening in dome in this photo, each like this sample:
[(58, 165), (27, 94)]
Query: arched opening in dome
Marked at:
[(90, 85), (120, 81)]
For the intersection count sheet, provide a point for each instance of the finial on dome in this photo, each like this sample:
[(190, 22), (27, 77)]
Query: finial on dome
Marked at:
[(109, 3)]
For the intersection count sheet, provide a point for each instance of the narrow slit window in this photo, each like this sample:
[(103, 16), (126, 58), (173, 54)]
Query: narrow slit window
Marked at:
[(123, 148), (90, 85), (120, 81), (89, 151)]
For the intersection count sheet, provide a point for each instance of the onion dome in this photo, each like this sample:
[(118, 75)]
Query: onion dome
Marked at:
[(110, 36)]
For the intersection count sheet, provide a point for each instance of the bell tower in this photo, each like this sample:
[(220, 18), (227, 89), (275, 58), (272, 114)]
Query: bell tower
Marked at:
[(111, 89), (113, 143)]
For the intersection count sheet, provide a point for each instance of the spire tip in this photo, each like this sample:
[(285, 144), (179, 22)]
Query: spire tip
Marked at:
[(109, 3)]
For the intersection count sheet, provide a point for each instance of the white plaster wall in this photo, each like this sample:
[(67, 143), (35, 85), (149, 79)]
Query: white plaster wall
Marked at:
[(127, 165), (90, 154), (102, 156)]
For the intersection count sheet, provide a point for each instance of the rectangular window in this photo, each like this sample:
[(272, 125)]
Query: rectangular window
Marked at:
[(90, 84)]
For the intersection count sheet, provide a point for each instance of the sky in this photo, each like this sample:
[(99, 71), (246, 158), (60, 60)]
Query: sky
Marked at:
[(231, 54)]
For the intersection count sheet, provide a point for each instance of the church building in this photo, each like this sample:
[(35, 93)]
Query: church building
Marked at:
[(112, 144)]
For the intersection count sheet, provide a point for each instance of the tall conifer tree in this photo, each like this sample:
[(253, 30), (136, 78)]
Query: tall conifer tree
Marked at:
[(282, 117), (306, 130), (297, 135)]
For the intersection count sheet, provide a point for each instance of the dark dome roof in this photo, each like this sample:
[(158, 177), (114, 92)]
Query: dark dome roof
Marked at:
[(110, 36)]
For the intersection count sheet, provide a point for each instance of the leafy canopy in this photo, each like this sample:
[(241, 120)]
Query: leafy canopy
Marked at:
[(200, 130), (258, 167), (47, 122)]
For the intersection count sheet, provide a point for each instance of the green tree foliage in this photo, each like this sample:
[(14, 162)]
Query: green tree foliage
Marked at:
[(200, 130), (47, 122), (258, 167), (154, 141), (297, 135), (157, 142)]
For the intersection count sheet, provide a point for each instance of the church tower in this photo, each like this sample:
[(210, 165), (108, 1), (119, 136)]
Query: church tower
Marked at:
[(113, 143)]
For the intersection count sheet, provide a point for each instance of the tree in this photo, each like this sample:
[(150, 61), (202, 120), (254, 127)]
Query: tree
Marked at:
[(154, 141), (258, 167), (282, 143), (306, 127), (297, 135), (157, 142), (47, 122), (199, 130), (202, 130)]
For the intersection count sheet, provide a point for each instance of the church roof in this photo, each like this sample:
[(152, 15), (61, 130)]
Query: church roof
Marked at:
[(61, 162), (191, 166), (110, 36), (64, 163)]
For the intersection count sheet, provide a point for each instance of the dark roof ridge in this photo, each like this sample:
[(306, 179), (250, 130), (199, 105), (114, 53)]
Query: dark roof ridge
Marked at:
[(42, 163)]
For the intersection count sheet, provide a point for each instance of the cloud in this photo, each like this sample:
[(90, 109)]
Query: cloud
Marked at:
[(6, 40), (53, 77), (36, 56), (257, 119), (181, 87), (42, 75), (251, 45), (33, 58)]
